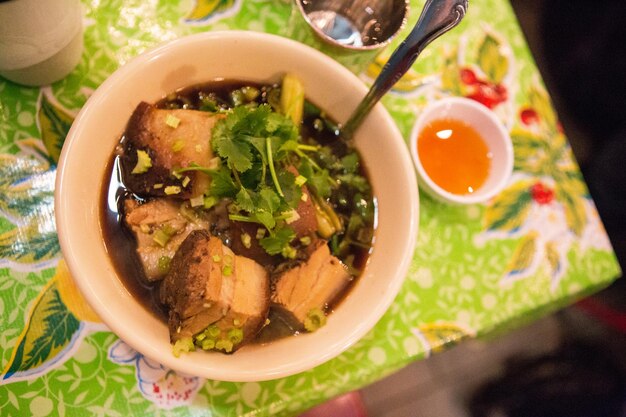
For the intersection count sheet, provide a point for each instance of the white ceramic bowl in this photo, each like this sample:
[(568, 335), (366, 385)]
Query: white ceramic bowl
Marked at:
[(487, 125), (253, 57)]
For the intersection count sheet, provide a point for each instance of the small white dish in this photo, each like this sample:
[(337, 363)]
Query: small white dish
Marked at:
[(254, 57), (490, 129)]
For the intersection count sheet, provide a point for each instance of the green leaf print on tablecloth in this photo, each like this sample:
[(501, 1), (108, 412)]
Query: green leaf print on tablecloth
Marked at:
[(546, 205), (206, 11), (58, 319), (49, 330), (54, 123)]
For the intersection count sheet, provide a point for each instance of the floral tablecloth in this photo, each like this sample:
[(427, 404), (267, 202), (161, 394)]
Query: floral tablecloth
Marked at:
[(537, 246)]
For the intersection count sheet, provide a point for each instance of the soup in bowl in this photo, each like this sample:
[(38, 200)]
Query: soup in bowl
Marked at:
[(215, 220)]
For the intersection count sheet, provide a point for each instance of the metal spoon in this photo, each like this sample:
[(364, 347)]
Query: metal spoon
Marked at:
[(438, 17)]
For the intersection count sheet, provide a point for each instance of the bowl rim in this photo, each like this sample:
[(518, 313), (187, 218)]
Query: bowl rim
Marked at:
[(503, 136), (77, 268)]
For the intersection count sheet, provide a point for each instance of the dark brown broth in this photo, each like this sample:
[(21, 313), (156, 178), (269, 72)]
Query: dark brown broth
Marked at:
[(120, 243)]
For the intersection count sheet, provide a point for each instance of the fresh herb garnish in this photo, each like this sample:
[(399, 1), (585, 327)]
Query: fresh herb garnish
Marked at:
[(257, 146), (262, 166)]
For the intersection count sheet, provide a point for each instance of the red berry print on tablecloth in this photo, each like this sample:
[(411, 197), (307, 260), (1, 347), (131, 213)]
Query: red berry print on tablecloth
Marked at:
[(542, 194), (482, 91), (529, 116), (468, 77)]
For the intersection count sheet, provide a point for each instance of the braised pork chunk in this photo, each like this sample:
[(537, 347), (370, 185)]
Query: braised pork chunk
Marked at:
[(159, 227), (215, 295), (158, 142), (311, 286)]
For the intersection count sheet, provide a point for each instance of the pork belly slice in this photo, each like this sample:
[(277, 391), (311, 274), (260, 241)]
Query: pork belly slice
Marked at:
[(172, 139), (215, 297), (154, 223), (308, 288), (195, 290)]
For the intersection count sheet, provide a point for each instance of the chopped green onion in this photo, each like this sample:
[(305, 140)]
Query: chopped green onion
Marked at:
[(305, 240), (164, 264), (144, 228), (237, 98), (315, 319), (300, 180), (172, 189), (186, 181), (236, 322), (304, 197), (161, 237), (289, 252), (197, 201), (178, 145), (227, 270), (246, 240), (235, 335), (213, 331), (157, 186), (208, 344), (143, 163), (250, 93), (183, 345), (260, 233), (172, 121), (216, 258), (291, 216), (225, 345)]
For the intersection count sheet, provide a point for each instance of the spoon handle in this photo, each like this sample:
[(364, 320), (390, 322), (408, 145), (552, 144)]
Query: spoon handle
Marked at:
[(438, 17)]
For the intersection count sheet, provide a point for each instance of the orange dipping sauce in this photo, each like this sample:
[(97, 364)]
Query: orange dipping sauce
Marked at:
[(454, 155)]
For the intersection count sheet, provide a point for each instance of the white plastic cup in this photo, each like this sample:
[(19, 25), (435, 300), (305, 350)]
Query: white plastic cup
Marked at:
[(41, 41)]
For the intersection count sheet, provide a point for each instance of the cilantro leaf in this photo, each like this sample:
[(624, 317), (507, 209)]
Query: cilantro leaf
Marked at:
[(244, 200), (253, 121), (236, 152), (253, 177), (269, 200), (350, 163), (292, 192), (321, 182), (222, 184), (318, 179), (258, 143), (355, 181), (274, 122), (276, 242), (265, 218)]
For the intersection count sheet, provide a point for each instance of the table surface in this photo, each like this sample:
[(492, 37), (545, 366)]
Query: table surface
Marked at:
[(535, 247)]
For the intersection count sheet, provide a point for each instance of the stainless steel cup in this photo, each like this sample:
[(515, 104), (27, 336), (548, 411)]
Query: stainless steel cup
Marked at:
[(352, 32)]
